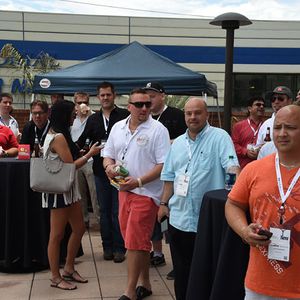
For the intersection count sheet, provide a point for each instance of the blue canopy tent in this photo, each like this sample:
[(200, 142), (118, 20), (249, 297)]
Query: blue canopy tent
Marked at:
[(128, 67)]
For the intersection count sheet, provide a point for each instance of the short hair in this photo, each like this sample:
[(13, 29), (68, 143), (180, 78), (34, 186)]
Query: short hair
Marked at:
[(7, 95), (104, 85), (138, 91), (252, 99), (81, 94), (43, 105)]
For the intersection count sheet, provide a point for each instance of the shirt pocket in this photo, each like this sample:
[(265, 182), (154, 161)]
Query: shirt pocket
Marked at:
[(205, 161)]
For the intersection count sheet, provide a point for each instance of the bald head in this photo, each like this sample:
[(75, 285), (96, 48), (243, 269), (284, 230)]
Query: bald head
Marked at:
[(196, 115), (286, 132)]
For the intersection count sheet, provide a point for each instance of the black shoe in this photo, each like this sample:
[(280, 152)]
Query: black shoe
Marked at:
[(142, 292), (108, 255), (119, 257), (171, 275), (157, 261)]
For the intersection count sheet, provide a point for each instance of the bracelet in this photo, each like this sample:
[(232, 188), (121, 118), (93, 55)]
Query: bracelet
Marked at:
[(163, 203), (86, 159), (139, 180)]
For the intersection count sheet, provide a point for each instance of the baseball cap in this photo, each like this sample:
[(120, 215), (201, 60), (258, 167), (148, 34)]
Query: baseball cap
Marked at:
[(282, 90), (154, 86)]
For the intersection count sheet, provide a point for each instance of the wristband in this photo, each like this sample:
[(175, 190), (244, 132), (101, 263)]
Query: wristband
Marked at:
[(139, 180), (163, 203)]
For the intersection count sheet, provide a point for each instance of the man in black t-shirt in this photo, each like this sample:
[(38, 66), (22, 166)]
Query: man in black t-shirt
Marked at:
[(37, 127), (173, 119)]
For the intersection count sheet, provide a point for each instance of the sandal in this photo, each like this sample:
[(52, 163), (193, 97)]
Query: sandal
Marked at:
[(142, 292), (63, 285), (74, 276)]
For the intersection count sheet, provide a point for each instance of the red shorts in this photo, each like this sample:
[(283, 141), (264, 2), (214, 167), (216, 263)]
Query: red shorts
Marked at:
[(137, 215)]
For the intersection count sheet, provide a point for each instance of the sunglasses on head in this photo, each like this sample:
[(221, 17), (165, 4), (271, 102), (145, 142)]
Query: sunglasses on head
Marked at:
[(279, 98), (141, 104)]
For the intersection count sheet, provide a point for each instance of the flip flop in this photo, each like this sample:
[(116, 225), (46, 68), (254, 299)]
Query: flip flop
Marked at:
[(74, 276), (59, 285), (142, 292)]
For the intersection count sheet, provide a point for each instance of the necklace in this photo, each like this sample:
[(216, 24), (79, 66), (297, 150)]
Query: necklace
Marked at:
[(290, 166)]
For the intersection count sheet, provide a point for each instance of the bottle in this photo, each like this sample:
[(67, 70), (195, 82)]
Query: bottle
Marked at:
[(230, 175), (36, 148), (268, 135), (86, 147), (121, 171)]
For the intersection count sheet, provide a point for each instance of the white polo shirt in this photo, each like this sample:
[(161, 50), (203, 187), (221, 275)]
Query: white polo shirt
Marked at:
[(140, 152)]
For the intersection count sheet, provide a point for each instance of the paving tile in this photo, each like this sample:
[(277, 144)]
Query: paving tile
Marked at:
[(15, 289), (16, 277), (41, 290)]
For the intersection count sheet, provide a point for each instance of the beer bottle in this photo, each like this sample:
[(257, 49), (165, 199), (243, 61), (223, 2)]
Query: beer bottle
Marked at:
[(86, 146), (36, 148), (268, 135), (121, 171)]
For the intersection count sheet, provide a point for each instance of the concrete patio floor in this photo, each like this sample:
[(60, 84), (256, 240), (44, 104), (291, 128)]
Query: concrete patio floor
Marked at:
[(107, 280)]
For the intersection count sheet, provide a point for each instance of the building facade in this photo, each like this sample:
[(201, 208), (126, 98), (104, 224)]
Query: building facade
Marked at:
[(266, 54)]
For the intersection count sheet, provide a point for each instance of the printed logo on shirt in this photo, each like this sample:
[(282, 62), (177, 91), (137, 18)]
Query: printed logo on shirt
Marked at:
[(142, 140)]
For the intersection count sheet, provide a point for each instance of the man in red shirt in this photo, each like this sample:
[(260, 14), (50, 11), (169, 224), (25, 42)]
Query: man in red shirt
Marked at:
[(8, 143), (244, 133)]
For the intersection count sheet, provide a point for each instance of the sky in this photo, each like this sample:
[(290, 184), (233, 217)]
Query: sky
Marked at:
[(253, 9)]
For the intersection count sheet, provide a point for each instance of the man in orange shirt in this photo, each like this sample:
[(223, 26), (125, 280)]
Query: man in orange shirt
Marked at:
[(270, 189)]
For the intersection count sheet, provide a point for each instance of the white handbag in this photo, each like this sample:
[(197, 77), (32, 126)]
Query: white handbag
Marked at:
[(51, 176)]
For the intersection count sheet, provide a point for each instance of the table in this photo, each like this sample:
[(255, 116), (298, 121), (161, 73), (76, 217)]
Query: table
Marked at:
[(24, 224), (220, 257)]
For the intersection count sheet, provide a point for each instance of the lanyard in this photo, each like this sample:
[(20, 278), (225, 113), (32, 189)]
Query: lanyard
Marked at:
[(283, 195), (165, 107), (190, 153), (10, 122), (128, 140), (105, 123), (44, 132), (253, 130)]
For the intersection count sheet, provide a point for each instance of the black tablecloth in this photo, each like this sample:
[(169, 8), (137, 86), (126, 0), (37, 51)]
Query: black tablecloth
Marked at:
[(220, 257), (24, 224)]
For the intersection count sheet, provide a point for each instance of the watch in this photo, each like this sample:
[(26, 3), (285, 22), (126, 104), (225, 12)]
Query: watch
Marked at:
[(5, 154), (163, 203)]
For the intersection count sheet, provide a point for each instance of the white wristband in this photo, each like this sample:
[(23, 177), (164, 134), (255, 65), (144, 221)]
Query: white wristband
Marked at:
[(139, 180)]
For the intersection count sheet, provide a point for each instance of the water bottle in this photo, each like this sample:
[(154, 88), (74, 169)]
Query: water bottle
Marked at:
[(230, 175)]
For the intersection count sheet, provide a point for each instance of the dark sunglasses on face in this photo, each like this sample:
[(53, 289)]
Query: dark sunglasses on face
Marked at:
[(141, 104), (259, 105), (81, 102), (38, 113), (280, 98)]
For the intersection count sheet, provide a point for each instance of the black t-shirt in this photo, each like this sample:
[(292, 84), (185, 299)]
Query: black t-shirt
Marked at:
[(95, 131), (173, 119), (28, 134)]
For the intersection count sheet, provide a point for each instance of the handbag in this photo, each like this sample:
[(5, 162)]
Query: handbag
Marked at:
[(51, 176)]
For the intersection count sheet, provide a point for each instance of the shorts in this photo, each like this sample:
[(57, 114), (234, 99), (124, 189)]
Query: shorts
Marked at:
[(137, 215)]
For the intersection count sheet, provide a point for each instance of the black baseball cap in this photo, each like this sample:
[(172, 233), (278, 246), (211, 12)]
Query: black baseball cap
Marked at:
[(154, 86), (282, 90)]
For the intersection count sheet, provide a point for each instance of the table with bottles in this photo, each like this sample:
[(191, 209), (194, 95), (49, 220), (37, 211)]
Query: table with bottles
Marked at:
[(220, 257)]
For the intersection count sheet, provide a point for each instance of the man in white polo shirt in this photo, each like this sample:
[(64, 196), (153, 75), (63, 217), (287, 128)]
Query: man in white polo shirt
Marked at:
[(140, 144)]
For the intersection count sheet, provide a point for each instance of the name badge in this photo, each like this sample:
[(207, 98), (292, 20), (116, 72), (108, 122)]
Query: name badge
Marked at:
[(182, 185), (102, 145), (279, 248)]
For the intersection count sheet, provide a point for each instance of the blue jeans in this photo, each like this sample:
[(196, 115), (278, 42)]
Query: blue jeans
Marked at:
[(108, 200)]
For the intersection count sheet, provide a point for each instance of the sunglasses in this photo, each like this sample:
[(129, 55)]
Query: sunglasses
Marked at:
[(279, 98), (141, 104), (259, 105), (81, 102), (37, 113)]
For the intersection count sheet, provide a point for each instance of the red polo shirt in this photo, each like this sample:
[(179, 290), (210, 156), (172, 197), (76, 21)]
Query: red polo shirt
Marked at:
[(7, 138)]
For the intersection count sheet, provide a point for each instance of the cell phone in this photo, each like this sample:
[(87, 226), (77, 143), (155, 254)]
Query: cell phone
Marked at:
[(163, 218), (265, 232)]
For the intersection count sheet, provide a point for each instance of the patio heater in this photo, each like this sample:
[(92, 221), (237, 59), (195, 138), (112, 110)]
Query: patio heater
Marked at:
[(229, 21)]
